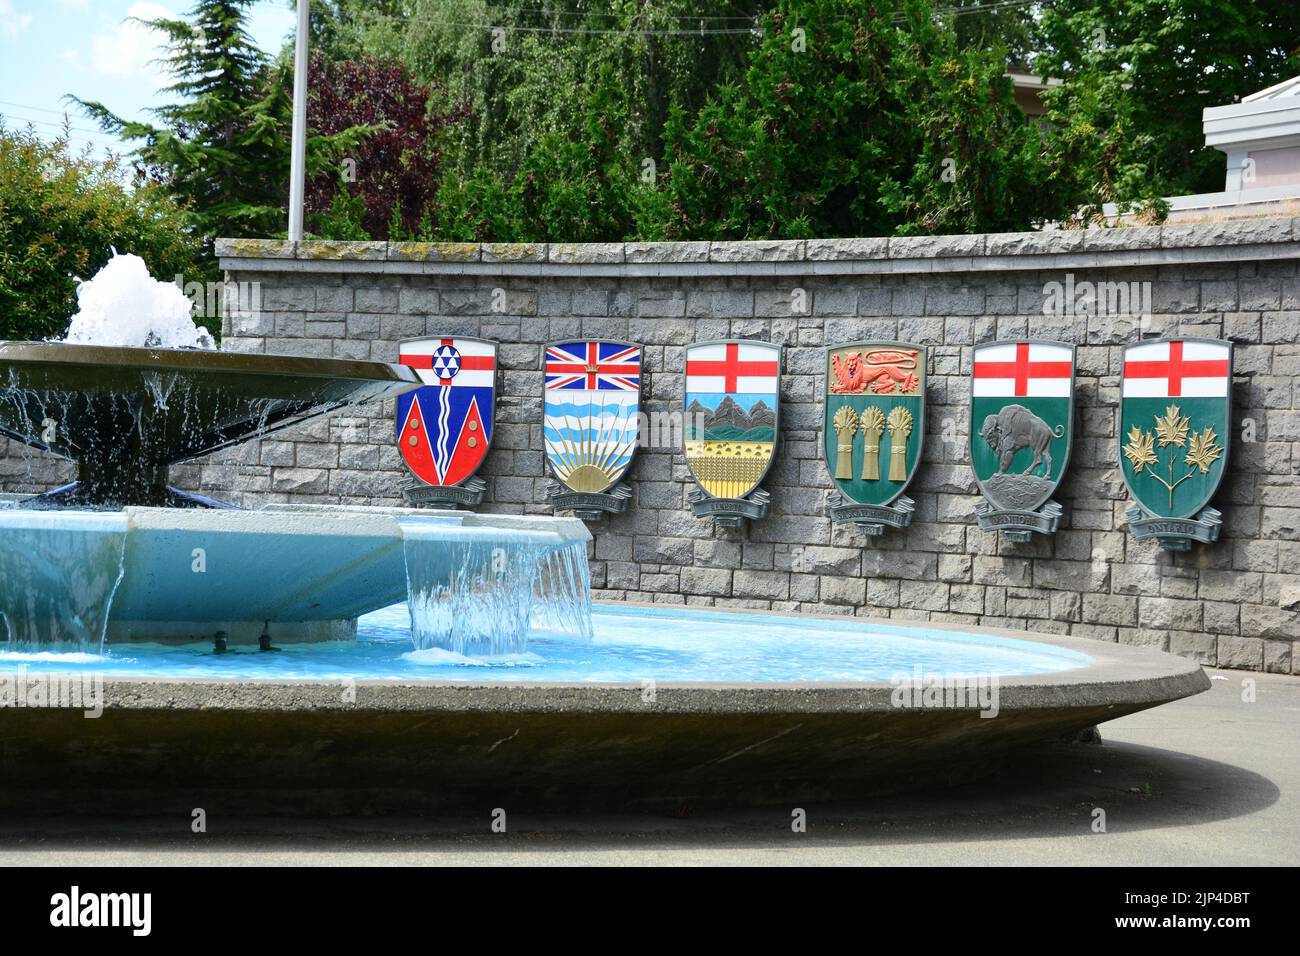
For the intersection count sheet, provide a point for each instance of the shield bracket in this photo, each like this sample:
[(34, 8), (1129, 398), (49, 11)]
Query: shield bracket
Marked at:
[(1018, 525), (589, 505), (449, 497), (872, 519), (730, 512), (1175, 534)]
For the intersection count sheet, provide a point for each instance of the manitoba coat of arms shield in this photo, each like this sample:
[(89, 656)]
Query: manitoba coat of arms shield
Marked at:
[(1021, 428)]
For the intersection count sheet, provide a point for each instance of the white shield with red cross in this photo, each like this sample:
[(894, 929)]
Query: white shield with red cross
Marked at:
[(732, 399), (444, 428), (1175, 423)]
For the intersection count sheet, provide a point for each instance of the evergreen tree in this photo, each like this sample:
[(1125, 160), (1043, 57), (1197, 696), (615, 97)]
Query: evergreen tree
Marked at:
[(222, 148), (857, 117)]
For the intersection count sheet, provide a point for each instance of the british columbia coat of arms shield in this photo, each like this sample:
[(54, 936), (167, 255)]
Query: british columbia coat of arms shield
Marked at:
[(1175, 418), (1021, 428), (591, 400), (874, 428), (444, 428), (730, 432)]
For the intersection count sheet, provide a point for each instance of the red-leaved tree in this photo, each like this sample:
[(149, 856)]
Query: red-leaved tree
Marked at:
[(394, 169)]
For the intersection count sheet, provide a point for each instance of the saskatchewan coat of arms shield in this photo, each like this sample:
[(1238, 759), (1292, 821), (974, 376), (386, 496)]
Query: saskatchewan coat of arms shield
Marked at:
[(730, 433), (1175, 430), (874, 427), (591, 401), (444, 428), (1021, 429)]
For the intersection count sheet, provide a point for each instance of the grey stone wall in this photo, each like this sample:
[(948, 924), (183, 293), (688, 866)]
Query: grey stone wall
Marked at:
[(1235, 603)]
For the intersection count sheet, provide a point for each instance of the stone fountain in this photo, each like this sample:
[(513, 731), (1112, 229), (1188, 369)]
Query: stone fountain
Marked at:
[(119, 553)]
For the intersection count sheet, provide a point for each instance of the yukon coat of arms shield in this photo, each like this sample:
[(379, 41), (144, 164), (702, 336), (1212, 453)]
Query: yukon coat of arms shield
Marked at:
[(444, 428)]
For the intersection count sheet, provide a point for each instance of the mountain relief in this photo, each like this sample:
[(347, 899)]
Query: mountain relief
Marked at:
[(730, 422)]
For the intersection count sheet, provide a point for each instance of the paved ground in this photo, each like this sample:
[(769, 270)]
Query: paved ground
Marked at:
[(1206, 781)]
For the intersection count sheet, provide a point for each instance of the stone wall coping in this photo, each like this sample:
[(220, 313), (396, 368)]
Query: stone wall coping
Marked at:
[(1234, 240)]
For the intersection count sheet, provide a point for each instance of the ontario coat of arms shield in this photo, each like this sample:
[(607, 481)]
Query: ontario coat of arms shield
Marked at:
[(874, 428), (591, 401), (730, 432), (444, 428), (1175, 418), (1021, 429)]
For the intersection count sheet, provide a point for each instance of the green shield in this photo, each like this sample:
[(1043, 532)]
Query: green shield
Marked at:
[(875, 418), (1022, 420), (1175, 418)]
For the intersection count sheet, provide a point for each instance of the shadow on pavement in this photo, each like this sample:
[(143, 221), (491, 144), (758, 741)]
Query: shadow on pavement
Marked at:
[(1049, 791)]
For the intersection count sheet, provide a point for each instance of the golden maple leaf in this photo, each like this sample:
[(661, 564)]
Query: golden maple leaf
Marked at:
[(1140, 450), (1172, 429), (1204, 450)]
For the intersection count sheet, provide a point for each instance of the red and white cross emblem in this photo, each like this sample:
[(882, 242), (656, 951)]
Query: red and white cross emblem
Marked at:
[(1177, 369)]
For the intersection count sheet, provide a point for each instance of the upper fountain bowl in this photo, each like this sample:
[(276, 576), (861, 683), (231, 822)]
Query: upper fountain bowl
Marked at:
[(125, 414)]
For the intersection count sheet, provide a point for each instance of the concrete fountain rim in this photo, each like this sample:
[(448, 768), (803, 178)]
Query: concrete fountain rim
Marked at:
[(1119, 675), (152, 359)]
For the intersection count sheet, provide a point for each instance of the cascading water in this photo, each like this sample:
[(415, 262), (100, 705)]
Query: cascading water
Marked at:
[(58, 574), (479, 590)]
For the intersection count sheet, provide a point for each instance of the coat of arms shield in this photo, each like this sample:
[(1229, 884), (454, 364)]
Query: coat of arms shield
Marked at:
[(732, 402), (1021, 429), (591, 401), (873, 430), (444, 428), (1175, 418)]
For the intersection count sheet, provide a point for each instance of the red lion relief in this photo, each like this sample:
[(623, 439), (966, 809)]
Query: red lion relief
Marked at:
[(881, 371)]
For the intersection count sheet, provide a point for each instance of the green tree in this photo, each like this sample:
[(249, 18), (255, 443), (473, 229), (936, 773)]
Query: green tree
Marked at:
[(221, 147), (526, 69), (856, 117), (61, 214), (1136, 76), (579, 186)]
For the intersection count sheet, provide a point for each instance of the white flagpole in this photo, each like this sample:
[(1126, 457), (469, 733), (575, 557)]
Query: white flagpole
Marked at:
[(298, 148)]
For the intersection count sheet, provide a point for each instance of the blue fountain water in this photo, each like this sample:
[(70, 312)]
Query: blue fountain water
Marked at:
[(628, 644), (478, 590)]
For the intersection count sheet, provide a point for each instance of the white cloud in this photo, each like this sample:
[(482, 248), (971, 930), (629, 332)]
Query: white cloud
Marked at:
[(12, 22), (131, 49)]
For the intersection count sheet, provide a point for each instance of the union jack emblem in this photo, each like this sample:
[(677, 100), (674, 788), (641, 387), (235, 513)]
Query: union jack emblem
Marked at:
[(590, 412), (593, 366)]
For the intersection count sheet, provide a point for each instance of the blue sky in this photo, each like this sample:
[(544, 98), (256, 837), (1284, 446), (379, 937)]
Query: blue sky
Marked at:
[(50, 48)]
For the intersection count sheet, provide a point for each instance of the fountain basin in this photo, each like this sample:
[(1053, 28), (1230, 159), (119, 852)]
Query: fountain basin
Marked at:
[(297, 573), (124, 415), (498, 737)]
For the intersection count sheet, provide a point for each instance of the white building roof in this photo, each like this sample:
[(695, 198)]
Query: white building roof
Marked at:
[(1269, 119), (1289, 87)]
